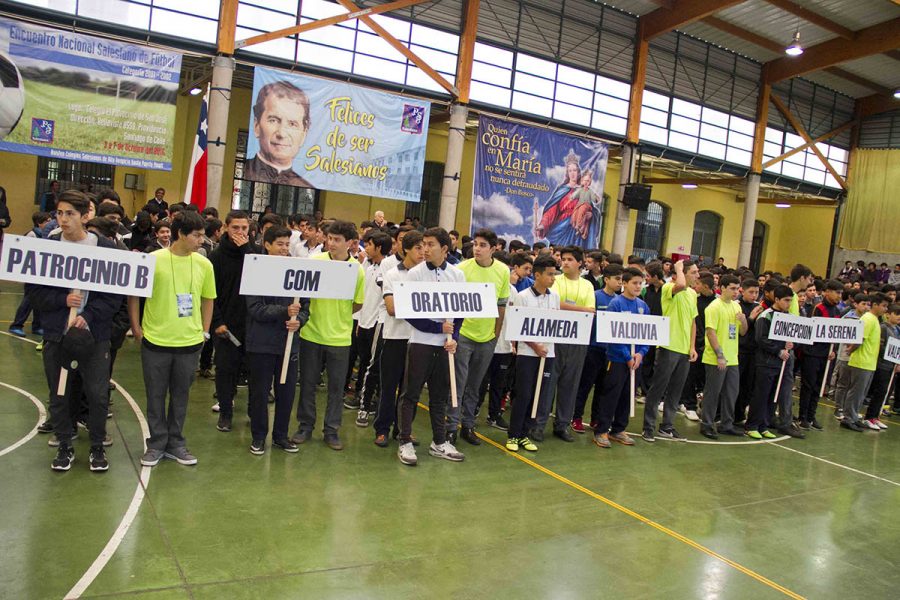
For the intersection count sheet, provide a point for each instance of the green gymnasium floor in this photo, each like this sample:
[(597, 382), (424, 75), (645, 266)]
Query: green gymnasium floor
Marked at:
[(814, 518)]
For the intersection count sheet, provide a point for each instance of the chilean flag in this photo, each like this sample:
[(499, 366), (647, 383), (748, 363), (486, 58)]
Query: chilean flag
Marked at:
[(195, 191)]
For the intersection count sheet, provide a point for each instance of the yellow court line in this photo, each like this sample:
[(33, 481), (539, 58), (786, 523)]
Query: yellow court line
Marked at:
[(641, 518)]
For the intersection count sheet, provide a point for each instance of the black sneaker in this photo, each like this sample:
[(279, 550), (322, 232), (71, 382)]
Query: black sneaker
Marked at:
[(733, 432), (65, 456), (333, 441), (286, 445), (451, 437), (498, 423), (224, 424), (98, 459), (816, 425), (258, 447), (469, 435), (242, 381), (351, 403), (792, 431), (301, 436), (564, 434), (709, 433), (648, 436), (45, 427), (805, 425), (537, 435), (670, 434), (851, 426)]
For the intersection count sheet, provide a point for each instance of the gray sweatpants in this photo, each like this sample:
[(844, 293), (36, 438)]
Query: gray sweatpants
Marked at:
[(472, 361), (721, 390), (669, 375), (336, 360), (860, 380), (567, 368), (172, 373)]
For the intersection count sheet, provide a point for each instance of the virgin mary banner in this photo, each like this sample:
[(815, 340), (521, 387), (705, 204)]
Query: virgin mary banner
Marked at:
[(331, 135), (536, 185)]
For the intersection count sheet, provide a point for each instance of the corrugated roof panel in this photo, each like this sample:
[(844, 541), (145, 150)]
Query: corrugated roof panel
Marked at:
[(838, 83), (877, 68), (854, 14), (503, 16), (881, 131), (540, 30), (616, 55), (635, 7), (445, 14), (764, 19)]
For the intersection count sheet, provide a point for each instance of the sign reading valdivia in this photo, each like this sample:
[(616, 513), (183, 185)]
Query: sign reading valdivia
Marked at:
[(892, 350), (631, 328), (452, 300), (529, 324), (76, 266), (289, 277)]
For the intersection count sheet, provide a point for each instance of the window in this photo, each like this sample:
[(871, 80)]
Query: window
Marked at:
[(650, 231), (254, 196), (758, 246), (707, 225), (72, 175), (428, 209)]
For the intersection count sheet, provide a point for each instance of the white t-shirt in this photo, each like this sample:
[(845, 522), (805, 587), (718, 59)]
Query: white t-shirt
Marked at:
[(300, 249), (373, 298), (424, 272), (503, 345), (394, 328), (528, 297), (387, 264)]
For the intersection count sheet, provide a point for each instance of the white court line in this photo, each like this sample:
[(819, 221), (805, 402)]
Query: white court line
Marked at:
[(113, 544), (42, 415), (834, 464), (712, 443)]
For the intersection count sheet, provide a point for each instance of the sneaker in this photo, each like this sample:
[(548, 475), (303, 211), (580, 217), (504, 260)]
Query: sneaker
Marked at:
[(205, 373), (498, 423), (20, 332), (258, 447), (286, 445), (537, 435), (602, 440), (301, 436), (732, 432), (98, 459), (768, 435), (181, 455), (53, 442), (224, 424), (708, 432), (215, 407), (621, 438), (468, 434), (381, 440), (107, 441), (242, 381), (38, 332), (851, 426), (872, 424), (660, 407), (333, 441), (527, 444), (754, 434), (648, 436), (446, 451), (151, 457), (690, 414), (39, 347), (805, 425), (577, 426), (362, 419), (839, 414), (593, 425), (45, 427), (880, 424), (792, 431), (563, 434), (451, 437), (640, 399), (814, 424), (670, 434), (351, 403), (512, 444), (65, 456), (407, 454)]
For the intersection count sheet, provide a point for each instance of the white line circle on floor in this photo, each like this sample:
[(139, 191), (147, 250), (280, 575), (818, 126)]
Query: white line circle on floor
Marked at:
[(42, 414), (834, 464), (712, 443)]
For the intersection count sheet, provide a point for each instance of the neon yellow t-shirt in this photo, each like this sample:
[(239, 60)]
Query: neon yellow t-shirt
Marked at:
[(866, 356), (482, 330), (574, 291), (795, 305), (681, 308), (722, 318), (331, 321), (173, 275)]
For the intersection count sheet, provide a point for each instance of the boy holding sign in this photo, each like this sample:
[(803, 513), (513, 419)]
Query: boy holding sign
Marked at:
[(615, 400), (725, 322), (83, 341), (863, 362)]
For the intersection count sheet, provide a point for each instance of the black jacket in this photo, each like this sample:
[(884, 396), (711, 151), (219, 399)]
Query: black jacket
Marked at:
[(822, 309), (229, 308), (99, 310), (266, 333), (703, 303), (747, 343), (767, 351)]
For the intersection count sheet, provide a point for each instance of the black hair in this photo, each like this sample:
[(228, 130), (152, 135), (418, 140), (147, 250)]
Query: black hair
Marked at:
[(236, 214), (212, 226), (894, 309), (516, 245), (410, 240), (726, 280), (78, 200), (654, 269), (440, 234), (275, 232), (187, 223), (783, 291), (517, 260), (861, 298), (707, 279), (210, 211), (612, 270), (380, 240), (878, 298), (800, 271), (834, 285), (749, 282), (630, 273), (576, 252), (487, 235), (108, 209), (501, 242), (502, 256), (109, 195), (39, 217), (538, 246), (107, 227), (542, 263), (615, 259), (272, 218), (345, 229)]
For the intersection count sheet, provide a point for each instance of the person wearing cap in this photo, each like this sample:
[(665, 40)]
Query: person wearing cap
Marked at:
[(81, 345)]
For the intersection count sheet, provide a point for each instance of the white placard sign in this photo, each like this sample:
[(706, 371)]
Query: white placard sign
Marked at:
[(289, 277), (76, 266), (439, 300), (837, 331), (529, 324), (892, 350), (631, 328), (791, 328)]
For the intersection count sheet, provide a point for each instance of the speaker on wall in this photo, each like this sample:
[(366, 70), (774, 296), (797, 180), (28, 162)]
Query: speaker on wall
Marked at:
[(637, 196)]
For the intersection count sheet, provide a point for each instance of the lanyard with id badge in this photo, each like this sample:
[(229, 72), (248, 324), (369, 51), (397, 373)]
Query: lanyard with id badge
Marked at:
[(183, 302)]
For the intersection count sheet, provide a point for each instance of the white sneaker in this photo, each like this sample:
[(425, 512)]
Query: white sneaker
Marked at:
[(660, 407), (872, 424), (446, 451), (640, 399), (407, 454), (215, 407), (880, 424), (690, 415)]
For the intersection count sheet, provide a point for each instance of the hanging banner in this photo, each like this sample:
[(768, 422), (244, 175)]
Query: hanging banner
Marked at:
[(529, 324), (289, 277), (631, 328), (791, 328), (331, 135), (80, 97), (439, 300), (537, 185)]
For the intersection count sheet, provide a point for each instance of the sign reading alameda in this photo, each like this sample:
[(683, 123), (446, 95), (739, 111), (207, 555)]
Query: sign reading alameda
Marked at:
[(288, 277), (434, 300), (630, 328), (791, 328), (528, 324), (76, 266)]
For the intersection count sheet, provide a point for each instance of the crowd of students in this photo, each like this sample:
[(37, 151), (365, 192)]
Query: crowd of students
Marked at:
[(720, 367)]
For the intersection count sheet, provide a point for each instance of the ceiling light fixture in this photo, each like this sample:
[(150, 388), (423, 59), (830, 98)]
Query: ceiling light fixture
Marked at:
[(195, 91), (782, 206), (689, 186), (897, 94), (795, 49)]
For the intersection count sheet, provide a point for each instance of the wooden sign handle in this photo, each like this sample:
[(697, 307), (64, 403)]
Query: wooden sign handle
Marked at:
[(825, 376), (537, 388), (451, 357), (633, 372), (287, 350)]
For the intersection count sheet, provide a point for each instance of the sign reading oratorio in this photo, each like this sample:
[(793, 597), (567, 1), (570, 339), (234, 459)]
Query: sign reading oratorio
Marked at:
[(837, 331), (330, 135), (534, 184), (630, 328), (76, 266), (528, 324), (434, 300), (288, 277), (79, 97), (791, 328)]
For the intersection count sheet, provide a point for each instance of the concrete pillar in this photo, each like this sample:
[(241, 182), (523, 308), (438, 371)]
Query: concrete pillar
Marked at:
[(456, 139), (219, 101), (620, 233), (749, 221)]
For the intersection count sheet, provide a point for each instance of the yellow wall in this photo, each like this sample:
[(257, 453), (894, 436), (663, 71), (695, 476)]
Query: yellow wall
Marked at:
[(796, 234)]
